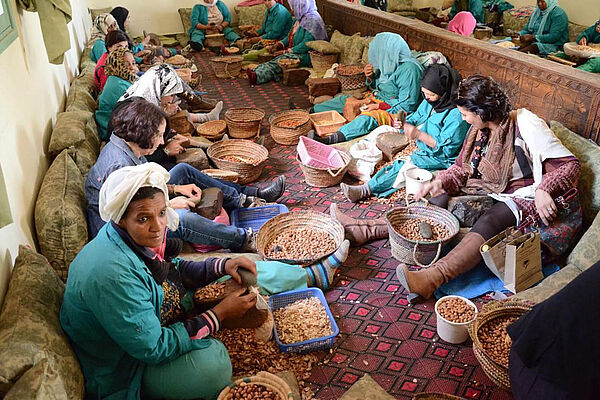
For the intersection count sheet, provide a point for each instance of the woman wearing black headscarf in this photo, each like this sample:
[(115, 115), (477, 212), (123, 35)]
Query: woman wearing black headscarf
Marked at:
[(121, 14)]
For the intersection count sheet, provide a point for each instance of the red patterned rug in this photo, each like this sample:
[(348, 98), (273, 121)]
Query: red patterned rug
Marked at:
[(380, 333)]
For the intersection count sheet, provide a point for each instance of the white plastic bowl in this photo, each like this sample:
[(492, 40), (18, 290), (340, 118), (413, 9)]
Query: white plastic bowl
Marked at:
[(453, 332), (416, 178)]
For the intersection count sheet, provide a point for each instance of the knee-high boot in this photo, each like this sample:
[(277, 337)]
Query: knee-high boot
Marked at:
[(360, 231), (461, 259)]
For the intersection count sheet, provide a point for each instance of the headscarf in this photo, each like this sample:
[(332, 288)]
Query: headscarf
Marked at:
[(307, 15), (551, 4), (120, 14), (100, 29), (159, 81), (121, 185), (463, 23), (442, 80), (211, 4), (115, 66), (386, 52)]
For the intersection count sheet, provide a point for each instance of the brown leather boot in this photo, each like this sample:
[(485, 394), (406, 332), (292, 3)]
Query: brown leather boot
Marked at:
[(421, 284), (196, 104), (360, 231)]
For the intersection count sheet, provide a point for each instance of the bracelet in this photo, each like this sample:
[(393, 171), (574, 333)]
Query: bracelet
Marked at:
[(167, 152), (174, 191)]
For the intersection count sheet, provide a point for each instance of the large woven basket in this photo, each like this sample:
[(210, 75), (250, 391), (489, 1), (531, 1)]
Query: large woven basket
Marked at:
[(413, 252), (244, 122), (213, 130), (435, 396), (222, 174), (351, 77), (294, 220), (322, 62), (250, 158), (227, 66), (496, 371), (289, 136), (325, 177), (265, 379)]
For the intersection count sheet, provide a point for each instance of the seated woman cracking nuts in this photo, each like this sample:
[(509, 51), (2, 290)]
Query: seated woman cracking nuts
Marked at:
[(210, 17), (547, 29), (125, 306)]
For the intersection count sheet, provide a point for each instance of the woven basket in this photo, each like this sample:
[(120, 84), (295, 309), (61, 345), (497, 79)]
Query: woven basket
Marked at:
[(295, 220), (222, 174), (214, 40), (289, 136), (288, 63), (227, 67), (244, 122), (435, 396), (351, 80), (324, 177), (322, 62), (213, 130), (496, 371), (265, 379), (245, 151), (412, 252), (268, 42)]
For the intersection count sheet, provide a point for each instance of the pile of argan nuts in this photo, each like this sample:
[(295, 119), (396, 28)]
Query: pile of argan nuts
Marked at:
[(301, 244), (291, 123), (495, 340), (249, 391), (210, 292), (456, 310), (302, 320), (409, 229)]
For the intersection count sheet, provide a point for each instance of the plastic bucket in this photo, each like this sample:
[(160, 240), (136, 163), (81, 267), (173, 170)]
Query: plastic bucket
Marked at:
[(416, 178), (453, 332)]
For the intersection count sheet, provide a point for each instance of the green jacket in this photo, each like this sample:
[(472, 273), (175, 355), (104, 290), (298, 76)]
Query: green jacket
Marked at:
[(475, 8), (277, 23), (114, 88), (554, 34), (590, 35), (301, 37), (98, 49), (200, 15), (402, 91), (111, 313)]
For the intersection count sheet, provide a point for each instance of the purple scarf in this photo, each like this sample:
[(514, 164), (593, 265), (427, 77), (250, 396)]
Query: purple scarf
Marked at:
[(305, 11)]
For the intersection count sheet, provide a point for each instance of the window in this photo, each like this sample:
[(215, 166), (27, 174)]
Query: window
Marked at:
[(8, 28)]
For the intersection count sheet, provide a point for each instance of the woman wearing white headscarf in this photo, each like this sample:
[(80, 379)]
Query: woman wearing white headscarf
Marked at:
[(547, 30), (212, 16), (103, 24), (125, 307)]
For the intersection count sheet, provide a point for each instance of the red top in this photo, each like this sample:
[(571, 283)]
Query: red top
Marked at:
[(99, 75)]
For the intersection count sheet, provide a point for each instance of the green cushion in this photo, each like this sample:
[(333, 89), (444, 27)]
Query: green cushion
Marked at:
[(184, 14), (86, 153), (80, 98), (587, 251), (575, 30), (323, 46), (85, 57), (86, 77), (550, 285), (60, 218), (40, 382), (365, 54), (30, 332), (94, 12), (68, 131), (253, 15), (400, 5), (351, 47), (588, 154)]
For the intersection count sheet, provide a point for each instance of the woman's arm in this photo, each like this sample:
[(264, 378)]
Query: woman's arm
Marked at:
[(226, 14), (408, 83), (196, 274), (560, 175), (197, 20), (587, 34), (559, 24), (303, 36), (451, 137)]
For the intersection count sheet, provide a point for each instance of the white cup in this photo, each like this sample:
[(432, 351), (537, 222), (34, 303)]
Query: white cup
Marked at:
[(415, 179)]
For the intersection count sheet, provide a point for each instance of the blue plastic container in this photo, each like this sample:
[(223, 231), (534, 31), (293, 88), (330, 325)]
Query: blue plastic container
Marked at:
[(256, 217), (283, 299)]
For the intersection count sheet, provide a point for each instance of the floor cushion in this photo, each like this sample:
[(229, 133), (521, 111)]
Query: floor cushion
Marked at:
[(351, 47), (550, 285), (30, 332), (86, 77), (587, 252), (86, 153), (253, 15), (80, 99), (575, 30), (400, 5), (184, 14), (365, 54), (94, 12), (68, 131), (516, 18), (41, 382), (323, 46)]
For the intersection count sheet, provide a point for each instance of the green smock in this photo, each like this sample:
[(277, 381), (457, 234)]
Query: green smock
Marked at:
[(98, 49), (590, 34), (555, 32), (114, 88), (200, 16), (475, 7), (276, 24)]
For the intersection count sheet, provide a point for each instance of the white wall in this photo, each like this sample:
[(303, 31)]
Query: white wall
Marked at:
[(33, 92)]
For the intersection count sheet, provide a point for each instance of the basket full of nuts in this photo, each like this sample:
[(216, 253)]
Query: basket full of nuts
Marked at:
[(454, 314), (263, 386)]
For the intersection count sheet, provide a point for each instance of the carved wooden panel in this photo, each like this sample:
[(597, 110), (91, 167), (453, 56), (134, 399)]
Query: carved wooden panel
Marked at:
[(551, 90)]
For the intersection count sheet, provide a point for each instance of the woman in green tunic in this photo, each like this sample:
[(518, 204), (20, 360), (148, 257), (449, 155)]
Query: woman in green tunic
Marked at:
[(277, 22), (590, 35), (122, 71), (547, 29), (475, 7), (393, 75), (214, 16), (436, 126), (103, 24)]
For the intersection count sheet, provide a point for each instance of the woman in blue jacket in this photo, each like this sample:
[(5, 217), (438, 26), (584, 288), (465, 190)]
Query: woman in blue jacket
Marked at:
[(214, 16), (547, 29)]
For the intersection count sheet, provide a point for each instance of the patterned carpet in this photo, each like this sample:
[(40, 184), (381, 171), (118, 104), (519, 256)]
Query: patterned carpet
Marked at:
[(380, 333)]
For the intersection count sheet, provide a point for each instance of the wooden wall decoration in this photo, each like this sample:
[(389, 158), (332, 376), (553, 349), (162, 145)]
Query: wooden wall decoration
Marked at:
[(551, 90)]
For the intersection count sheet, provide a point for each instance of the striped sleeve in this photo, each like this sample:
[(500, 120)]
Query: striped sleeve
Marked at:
[(203, 325), (195, 274)]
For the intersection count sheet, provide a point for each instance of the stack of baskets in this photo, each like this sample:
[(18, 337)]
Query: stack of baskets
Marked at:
[(322, 62), (244, 122), (264, 379), (352, 77), (298, 124), (325, 177), (289, 63), (213, 130), (244, 157), (227, 67)]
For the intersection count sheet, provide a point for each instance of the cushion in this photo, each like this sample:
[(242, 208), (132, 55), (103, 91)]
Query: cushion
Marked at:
[(94, 12), (588, 154), (86, 77), (40, 382), (575, 30), (587, 252), (184, 14), (365, 54), (86, 153), (351, 47), (80, 98), (366, 388), (60, 218), (550, 285), (30, 330), (323, 46), (85, 56), (400, 5), (68, 131), (516, 18), (253, 15)]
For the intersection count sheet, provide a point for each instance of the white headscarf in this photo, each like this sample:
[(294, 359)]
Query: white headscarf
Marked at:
[(100, 28), (211, 4), (121, 185), (157, 82)]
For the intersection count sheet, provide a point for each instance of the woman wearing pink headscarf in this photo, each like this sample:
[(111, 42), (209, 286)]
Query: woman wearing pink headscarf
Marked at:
[(463, 23)]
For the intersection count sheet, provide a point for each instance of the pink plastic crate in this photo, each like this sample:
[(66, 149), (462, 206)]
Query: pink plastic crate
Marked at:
[(319, 155)]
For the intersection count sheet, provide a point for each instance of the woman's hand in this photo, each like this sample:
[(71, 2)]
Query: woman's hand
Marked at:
[(173, 148), (220, 27), (146, 40), (527, 38), (583, 41), (189, 190), (181, 203), (143, 53), (172, 108), (433, 188), (397, 123), (411, 131), (370, 107), (235, 305), (368, 70), (546, 208), (232, 265)]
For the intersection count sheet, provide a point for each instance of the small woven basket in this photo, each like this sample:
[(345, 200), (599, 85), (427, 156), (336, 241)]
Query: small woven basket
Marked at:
[(244, 122), (213, 130), (413, 252), (222, 174), (322, 62), (324, 177), (496, 371), (265, 379), (289, 135), (435, 396), (268, 42), (227, 67), (351, 77), (289, 63), (238, 155), (214, 40), (295, 220)]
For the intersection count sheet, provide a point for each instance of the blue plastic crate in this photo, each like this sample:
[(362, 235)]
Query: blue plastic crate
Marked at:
[(256, 217), (283, 299)]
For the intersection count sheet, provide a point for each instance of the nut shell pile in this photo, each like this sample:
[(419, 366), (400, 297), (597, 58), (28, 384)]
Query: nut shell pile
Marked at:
[(248, 391), (456, 310), (301, 244), (241, 159), (410, 230), (291, 123), (347, 70), (210, 292), (495, 340), (302, 320)]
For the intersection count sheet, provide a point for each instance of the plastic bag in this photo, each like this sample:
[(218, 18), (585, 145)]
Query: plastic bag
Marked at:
[(365, 155)]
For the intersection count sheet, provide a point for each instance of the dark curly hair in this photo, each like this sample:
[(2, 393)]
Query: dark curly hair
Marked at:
[(138, 122), (483, 96)]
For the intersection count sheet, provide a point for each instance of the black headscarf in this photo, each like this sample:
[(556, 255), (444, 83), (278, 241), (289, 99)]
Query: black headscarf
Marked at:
[(442, 80), (120, 14)]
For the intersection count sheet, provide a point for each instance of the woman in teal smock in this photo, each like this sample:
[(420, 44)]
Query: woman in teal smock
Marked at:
[(393, 75), (437, 127), (475, 7), (214, 16), (547, 29), (277, 22), (122, 72), (103, 24), (590, 35)]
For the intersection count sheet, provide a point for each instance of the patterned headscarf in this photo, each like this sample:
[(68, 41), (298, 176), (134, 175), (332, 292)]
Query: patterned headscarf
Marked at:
[(156, 83), (100, 29), (115, 65), (386, 52), (551, 4), (307, 15), (463, 23)]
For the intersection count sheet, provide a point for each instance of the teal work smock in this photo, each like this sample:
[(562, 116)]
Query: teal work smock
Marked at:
[(114, 88), (276, 24), (200, 16), (98, 49), (555, 33), (301, 37)]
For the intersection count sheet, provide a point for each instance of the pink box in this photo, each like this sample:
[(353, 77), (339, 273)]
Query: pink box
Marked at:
[(318, 155)]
